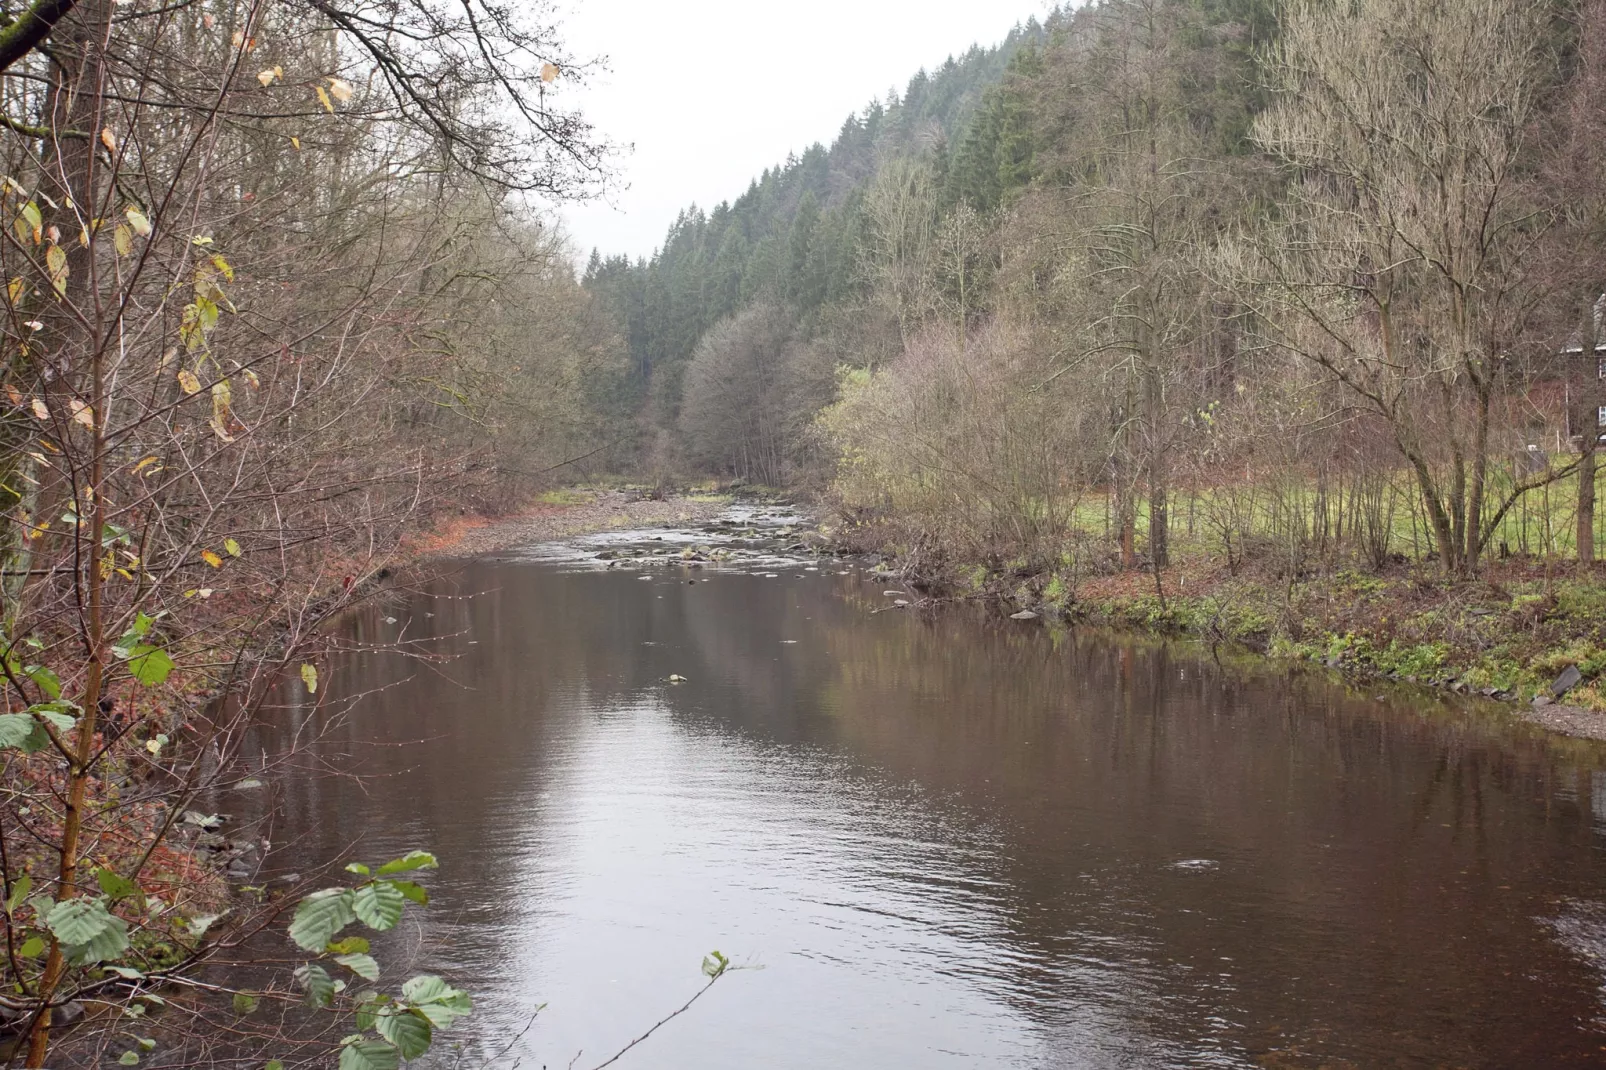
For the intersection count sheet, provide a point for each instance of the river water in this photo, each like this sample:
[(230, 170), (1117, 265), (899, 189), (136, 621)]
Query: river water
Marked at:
[(941, 840)]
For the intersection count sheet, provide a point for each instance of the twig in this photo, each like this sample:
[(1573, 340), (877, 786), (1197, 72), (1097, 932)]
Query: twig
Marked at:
[(712, 981)]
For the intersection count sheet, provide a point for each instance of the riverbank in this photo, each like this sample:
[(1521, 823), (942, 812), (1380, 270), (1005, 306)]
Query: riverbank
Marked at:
[(564, 514), (1525, 633)]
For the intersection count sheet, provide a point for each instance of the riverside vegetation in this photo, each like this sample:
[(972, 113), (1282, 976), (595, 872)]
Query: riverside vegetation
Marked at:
[(1269, 320), (270, 269)]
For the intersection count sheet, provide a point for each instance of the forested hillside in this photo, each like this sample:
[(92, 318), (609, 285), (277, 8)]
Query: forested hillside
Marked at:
[(1307, 275), (794, 238)]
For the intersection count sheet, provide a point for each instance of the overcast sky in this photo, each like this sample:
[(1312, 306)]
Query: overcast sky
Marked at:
[(711, 92)]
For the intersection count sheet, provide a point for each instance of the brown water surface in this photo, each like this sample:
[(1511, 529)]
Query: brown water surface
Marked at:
[(948, 841)]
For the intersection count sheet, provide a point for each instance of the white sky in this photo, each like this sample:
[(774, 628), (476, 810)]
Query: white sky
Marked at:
[(711, 92)]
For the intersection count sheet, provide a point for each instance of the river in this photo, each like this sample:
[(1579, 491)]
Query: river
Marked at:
[(940, 839)]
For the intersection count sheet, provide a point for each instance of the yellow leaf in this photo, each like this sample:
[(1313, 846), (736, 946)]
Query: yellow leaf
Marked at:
[(295, 143), (340, 89), (265, 78), (323, 98), (14, 394), (56, 264), (107, 564), (144, 463), (309, 676), (108, 139), (15, 289), (31, 223), (189, 382), (211, 558), (549, 72), (231, 547), (39, 409), (82, 413), (137, 220), (238, 39), (123, 238), (223, 266)]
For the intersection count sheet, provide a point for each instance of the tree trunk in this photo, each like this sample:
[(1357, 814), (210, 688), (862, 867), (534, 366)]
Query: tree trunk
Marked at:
[(1586, 494), (1159, 517), (76, 101)]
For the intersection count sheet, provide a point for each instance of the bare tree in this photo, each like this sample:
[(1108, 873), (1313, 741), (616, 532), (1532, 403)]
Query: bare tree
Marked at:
[(1403, 259)]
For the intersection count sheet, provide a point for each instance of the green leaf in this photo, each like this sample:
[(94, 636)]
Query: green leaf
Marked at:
[(407, 863), (415, 892), (274, 1064), (115, 887), (320, 916), (45, 678), (202, 922), (351, 945), (368, 1007), (128, 1058), (19, 891), (715, 964), (150, 665), (90, 932), (358, 868), (22, 731), (61, 715), (369, 1055), (363, 966), (32, 947), (127, 973), (438, 1001), (317, 984), (147, 1043), (379, 905), (409, 1030), (245, 1002)]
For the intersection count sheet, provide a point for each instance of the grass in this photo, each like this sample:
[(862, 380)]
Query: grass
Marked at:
[(566, 496), (1511, 633)]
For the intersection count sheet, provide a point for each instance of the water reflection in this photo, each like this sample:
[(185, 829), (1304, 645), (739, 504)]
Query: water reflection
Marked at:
[(949, 842)]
